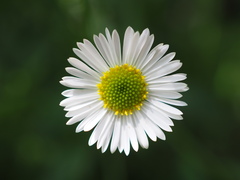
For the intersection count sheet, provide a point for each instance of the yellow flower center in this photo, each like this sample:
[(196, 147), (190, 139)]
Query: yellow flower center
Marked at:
[(123, 89)]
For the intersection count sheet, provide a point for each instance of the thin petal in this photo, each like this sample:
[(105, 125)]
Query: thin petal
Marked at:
[(163, 61), (144, 51), (98, 129), (158, 120), (104, 139), (95, 120), (166, 107), (154, 56), (168, 114), (145, 123), (179, 87), (164, 70), (90, 51), (156, 130), (165, 94), (128, 36), (78, 99), (107, 126), (114, 46), (168, 79), (125, 143), (141, 135), (107, 139), (87, 59), (117, 46), (160, 113), (77, 92), (132, 133), (132, 44), (116, 135), (79, 108), (172, 102), (83, 114), (144, 40), (74, 82), (81, 74), (103, 49), (141, 43)]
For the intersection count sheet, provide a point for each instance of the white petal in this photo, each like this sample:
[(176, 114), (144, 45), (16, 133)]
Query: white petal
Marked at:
[(107, 126), (114, 46), (116, 135), (95, 120), (165, 94), (132, 44), (141, 135), (83, 114), (156, 130), (170, 115), (89, 50), (179, 87), (166, 107), (144, 51), (131, 133), (160, 71), (85, 56), (142, 41), (104, 129), (172, 102), (108, 50), (149, 57), (91, 120), (167, 58), (117, 46), (85, 97), (90, 117), (166, 114), (146, 125), (105, 49), (160, 113), (128, 36), (124, 139), (158, 120), (81, 74), (98, 129), (154, 57), (83, 67), (167, 79), (159, 133), (77, 92), (162, 62), (107, 139), (79, 108), (74, 82)]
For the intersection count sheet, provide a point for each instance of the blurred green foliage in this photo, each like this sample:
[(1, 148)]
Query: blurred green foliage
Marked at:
[(38, 36)]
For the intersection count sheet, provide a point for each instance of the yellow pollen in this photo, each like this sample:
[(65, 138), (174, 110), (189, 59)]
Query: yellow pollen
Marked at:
[(123, 89)]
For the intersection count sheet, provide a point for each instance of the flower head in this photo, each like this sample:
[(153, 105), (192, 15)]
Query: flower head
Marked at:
[(124, 95)]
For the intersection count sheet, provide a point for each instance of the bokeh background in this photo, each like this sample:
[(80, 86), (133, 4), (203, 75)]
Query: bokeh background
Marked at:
[(37, 37)]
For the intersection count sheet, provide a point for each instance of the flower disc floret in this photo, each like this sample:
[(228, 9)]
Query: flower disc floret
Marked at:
[(123, 89)]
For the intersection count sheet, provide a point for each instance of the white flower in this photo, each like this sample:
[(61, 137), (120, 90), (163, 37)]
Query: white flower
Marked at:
[(124, 95)]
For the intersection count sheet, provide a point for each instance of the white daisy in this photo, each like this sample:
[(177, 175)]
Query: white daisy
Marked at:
[(124, 95)]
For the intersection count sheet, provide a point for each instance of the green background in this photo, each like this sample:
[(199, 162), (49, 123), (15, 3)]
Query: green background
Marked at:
[(37, 37)]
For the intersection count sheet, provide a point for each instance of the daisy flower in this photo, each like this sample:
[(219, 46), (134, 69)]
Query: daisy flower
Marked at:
[(124, 94)]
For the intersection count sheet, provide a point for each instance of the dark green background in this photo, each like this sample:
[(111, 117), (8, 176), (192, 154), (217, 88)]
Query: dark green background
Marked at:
[(37, 37)]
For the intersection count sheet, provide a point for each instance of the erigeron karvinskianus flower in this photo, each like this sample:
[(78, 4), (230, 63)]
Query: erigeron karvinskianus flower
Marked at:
[(124, 94)]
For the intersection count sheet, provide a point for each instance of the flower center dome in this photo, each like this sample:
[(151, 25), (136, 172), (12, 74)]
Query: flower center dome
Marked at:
[(123, 89)]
